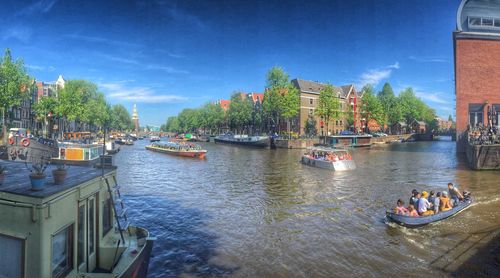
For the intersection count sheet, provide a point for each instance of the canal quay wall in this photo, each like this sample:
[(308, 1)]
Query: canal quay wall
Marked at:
[(295, 143), (483, 157)]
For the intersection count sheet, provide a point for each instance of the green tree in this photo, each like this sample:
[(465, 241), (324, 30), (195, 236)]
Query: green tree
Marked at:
[(214, 115), (240, 112), (290, 105), (121, 119), (371, 108), (14, 86), (44, 109), (310, 127), (277, 84), (391, 107), (172, 124), (74, 100), (188, 120), (328, 105), (450, 118)]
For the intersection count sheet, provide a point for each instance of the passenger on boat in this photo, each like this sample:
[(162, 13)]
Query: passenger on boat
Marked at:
[(444, 202), (400, 209), (424, 206), (455, 194), (412, 211), (414, 198), (431, 197), (437, 202)]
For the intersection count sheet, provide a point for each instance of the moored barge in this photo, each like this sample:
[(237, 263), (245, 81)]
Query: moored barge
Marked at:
[(76, 229), (244, 140)]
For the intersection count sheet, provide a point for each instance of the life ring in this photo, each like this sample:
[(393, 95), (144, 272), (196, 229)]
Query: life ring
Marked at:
[(11, 140), (25, 142)]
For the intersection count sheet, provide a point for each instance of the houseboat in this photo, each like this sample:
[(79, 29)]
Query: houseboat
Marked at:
[(78, 154), (244, 140), (178, 149), (76, 229), (329, 158), (112, 148), (353, 140)]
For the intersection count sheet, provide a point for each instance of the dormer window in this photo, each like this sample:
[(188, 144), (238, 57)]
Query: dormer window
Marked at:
[(476, 22)]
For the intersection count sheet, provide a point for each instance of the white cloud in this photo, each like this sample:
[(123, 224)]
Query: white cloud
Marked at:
[(40, 68), (436, 97), (429, 59), (165, 68), (43, 6), (21, 33), (101, 40), (374, 76), (394, 66), (121, 91)]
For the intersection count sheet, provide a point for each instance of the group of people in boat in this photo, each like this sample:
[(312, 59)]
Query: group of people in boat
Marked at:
[(328, 156), (427, 203), (178, 147)]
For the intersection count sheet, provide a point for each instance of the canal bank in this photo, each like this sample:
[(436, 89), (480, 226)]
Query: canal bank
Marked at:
[(258, 212)]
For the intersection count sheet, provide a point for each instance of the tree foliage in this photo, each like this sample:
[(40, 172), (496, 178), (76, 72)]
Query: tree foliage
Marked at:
[(14, 85), (328, 105), (240, 111), (120, 118), (371, 108)]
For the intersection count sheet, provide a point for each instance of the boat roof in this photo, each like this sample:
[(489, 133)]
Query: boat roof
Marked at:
[(326, 149), (17, 179)]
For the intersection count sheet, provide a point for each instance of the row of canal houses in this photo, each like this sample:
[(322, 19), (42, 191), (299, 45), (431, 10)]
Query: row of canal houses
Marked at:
[(351, 101), (23, 116), (309, 98)]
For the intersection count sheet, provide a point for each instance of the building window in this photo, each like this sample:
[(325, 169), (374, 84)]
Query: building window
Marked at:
[(62, 252), (11, 257), (340, 122), (475, 114), (311, 101), (497, 22), (337, 122), (475, 21), (106, 217), (487, 22), (311, 111)]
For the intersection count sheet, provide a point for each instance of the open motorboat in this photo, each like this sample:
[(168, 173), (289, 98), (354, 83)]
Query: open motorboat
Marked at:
[(412, 222), (329, 158)]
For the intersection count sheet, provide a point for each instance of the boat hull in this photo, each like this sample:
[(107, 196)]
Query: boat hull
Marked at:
[(263, 143), (413, 222), (192, 154), (341, 165), (139, 268)]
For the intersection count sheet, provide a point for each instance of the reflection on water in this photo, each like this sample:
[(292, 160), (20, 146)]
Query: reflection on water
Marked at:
[(251, 212)]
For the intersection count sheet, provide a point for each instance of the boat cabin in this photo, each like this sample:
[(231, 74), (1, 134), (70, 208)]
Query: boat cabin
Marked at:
[(78, 154), (68, 230)]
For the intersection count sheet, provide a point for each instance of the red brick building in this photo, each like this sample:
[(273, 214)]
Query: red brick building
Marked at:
[(477, 65)]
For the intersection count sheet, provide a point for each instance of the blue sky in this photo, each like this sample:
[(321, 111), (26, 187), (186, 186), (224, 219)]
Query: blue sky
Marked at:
[(169, 55)]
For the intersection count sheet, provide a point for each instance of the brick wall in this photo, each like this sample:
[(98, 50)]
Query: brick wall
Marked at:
[(477, 79)]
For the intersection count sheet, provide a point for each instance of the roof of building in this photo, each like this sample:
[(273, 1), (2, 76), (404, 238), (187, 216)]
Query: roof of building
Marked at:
[(315, 87), (481, 17), (224, 103), (256, 97)]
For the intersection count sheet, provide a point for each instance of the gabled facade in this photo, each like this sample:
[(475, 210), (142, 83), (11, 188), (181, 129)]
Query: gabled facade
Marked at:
[(309, 97)]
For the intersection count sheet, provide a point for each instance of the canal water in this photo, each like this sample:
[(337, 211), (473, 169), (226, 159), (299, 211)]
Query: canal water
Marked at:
[(259, 213)]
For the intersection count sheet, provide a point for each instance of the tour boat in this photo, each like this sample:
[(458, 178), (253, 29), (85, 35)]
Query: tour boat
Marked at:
[(412, 222), (244, 140), (75, 229), (178, 149), (154, 138), (329, 158)]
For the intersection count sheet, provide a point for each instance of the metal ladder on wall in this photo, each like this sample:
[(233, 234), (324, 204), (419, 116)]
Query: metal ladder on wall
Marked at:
[(119, 210)]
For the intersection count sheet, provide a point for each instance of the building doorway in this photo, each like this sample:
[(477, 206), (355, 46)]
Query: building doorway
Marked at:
[(86, 237)]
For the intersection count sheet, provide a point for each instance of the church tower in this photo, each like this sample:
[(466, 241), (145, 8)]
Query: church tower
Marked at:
[(135, 119)]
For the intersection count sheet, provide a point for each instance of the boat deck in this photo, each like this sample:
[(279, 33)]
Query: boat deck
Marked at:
[(17, 179)]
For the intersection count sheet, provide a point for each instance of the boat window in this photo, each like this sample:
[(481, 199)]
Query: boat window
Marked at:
[(106, 216), (62, 251), (91, 227), (475, 21), (81, 234), (11, 257)]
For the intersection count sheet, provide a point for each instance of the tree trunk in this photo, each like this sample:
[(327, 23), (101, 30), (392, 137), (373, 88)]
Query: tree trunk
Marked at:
[(4, 127)]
